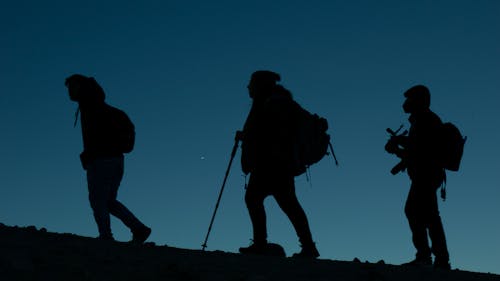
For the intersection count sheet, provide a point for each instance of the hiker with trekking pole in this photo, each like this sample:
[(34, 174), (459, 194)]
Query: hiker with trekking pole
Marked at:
[(279, 141), (268, 155)]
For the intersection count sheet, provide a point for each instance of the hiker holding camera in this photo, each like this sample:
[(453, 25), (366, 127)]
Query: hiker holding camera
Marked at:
[(419, 152), (107, 133), (268, 156)]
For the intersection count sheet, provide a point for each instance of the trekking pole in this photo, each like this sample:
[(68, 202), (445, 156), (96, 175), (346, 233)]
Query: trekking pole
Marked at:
[(233, 153)]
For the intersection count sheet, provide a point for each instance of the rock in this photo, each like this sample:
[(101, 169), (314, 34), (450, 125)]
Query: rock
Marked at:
[(31, 228)]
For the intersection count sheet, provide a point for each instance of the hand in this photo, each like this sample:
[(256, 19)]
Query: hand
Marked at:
[(392, 146)]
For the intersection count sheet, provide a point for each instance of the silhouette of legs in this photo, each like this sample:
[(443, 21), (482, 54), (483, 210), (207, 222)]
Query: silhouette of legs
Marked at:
[(436, 233), (254, 199), (288, 202), (283, 189), (104, 176), (423, 217)]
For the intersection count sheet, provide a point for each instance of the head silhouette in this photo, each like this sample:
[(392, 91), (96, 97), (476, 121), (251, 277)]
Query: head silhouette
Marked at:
[(262, 83), (84, 90), (418, 98)]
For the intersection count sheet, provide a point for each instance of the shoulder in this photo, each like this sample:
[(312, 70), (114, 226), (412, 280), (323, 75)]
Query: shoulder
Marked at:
[(281, 99), (116, 114), (111, 108), (282, 106), (114, 110), (427, 117), (433, 118)]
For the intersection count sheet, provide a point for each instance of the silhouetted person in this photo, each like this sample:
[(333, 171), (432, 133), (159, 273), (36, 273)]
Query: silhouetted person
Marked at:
[(268, 156), (419, 151), (105, 139)]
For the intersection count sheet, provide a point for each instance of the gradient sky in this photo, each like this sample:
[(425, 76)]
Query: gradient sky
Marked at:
[(180, 70)]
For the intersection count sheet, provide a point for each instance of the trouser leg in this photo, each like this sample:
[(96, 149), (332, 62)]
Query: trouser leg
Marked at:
[(104, 176), (287, 200), (99, 194), (419, 237), (418, 227), (117, 209), (423, 215), (439, 247), (436, 230), (254, 199)]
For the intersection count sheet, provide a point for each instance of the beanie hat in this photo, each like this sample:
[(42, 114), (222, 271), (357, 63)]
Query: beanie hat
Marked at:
[(421, 94)]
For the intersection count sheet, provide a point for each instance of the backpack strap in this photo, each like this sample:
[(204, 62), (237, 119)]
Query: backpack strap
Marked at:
[(76, 116), (443, 188), (333, 153), (308, 177)]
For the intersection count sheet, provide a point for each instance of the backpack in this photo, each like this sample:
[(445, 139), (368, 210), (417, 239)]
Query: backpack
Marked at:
[(124, 130), (452, 147), (311, 140)]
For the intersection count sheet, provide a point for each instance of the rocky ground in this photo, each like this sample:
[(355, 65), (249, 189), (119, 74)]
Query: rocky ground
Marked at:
[(34, 254)]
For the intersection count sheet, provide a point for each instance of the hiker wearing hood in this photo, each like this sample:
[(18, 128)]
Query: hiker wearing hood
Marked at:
[(107, 134), (268, 156)]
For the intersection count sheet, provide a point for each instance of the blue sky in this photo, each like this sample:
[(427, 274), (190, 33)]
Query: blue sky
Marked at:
[(180, 70)]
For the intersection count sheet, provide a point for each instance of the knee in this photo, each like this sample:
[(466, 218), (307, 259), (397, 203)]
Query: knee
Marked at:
[(253, 201), (291, 207), (408, 211), (98, 206), (411, 213), (97, 203), (113, 204)]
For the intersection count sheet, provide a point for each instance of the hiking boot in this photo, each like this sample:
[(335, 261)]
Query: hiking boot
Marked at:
[(419, 262), (442, 264), (307, 252), (140, 235), (255, 249)]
